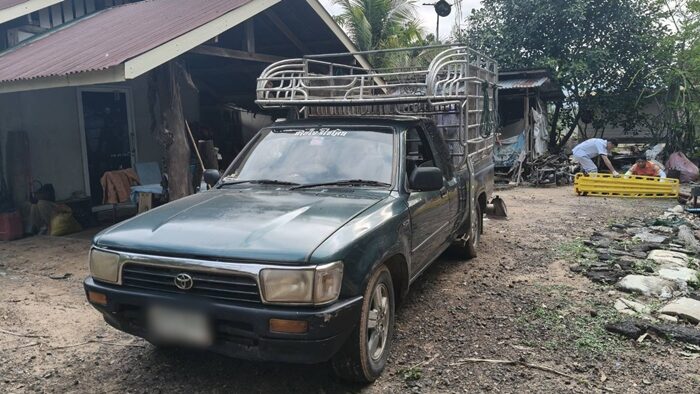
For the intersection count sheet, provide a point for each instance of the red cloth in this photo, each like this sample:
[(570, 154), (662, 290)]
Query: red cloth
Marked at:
[(678, 161)]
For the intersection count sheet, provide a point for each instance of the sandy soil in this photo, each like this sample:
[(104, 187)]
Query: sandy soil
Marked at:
[(516, 301)]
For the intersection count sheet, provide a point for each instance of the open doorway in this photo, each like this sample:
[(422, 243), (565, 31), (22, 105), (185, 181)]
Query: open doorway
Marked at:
[(106, 122)]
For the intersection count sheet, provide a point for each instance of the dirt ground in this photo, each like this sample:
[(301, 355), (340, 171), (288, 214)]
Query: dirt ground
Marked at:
[(517, 301)]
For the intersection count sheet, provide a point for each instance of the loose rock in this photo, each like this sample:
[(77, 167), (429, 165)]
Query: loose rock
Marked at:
[(663, 229), (609, 235), (648, 286), (667, 318), (687, 308), (674, 272), (669, 257), (686, 235), (649, 237), (607, 276), (630, 307)]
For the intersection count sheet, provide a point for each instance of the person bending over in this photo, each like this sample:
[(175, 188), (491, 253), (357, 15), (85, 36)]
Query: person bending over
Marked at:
[(586, 151)]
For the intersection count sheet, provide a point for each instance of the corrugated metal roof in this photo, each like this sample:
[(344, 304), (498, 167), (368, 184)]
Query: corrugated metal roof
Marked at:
[(10, 3), (110, 37), (523, 83)]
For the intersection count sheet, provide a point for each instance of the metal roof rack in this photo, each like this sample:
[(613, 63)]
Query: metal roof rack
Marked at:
[(454, 85)]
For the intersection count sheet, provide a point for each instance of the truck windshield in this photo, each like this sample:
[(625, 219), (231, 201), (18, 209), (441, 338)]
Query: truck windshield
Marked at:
[(305, 156)]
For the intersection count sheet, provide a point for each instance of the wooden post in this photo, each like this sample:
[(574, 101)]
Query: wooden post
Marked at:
[(526, 114), (145, 202), (169, 124)]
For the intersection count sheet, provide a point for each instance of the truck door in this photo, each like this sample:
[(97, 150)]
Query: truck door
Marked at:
[(430, 211), (445, 162)]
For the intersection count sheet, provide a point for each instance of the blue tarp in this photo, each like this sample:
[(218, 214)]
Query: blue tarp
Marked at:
[(507, 151)]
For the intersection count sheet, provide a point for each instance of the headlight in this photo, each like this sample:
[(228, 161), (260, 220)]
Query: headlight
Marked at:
[(287, 286), (302, 286), (104, 266)]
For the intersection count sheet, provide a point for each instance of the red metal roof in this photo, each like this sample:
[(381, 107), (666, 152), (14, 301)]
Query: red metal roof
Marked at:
[(10, 3), (110, 37)]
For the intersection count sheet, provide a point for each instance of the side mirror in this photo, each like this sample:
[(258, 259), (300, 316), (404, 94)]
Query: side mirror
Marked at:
[(426, 179), (211, 176)]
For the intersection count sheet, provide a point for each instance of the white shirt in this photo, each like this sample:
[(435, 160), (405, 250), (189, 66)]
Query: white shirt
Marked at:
[(591, 148)]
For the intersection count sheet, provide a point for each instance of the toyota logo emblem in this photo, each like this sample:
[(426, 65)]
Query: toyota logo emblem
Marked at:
[(183, 281)]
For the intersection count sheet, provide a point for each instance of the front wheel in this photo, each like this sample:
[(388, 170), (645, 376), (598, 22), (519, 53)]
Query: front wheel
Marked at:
[(363, 357), (477, 223)]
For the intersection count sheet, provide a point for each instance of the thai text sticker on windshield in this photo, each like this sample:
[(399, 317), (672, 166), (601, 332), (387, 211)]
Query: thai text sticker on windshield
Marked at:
[(322, 132)]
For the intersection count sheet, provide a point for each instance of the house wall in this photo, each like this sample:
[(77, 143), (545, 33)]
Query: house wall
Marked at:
[(51, 120)]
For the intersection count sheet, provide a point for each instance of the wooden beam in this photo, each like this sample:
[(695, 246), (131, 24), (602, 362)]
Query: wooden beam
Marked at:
[(33, 29), (235, 54), (284, 46), (282, 27), (238, 97), (250, 36), (234, 67)]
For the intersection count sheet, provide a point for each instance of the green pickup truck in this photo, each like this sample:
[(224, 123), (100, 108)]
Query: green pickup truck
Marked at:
[(302, 249)]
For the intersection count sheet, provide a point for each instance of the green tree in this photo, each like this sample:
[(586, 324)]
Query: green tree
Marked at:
[(595, 48), (380, 24), (678, 95)]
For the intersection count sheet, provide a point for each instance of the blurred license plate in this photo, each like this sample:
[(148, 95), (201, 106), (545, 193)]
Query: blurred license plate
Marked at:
[(179, 326)]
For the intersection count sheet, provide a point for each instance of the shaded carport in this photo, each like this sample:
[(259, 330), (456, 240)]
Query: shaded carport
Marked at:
[(219, 45)]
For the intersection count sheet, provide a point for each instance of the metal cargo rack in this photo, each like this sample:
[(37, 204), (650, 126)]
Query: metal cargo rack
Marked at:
[(452, 84)]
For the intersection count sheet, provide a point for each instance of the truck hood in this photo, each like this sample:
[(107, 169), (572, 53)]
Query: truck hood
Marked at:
[(240, 224)]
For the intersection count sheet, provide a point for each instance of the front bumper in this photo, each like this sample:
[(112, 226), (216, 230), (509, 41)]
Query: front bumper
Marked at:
[(240, 330)]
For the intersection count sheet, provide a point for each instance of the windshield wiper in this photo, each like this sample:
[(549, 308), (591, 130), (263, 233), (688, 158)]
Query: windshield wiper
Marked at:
[(261, 182), (345, 182)]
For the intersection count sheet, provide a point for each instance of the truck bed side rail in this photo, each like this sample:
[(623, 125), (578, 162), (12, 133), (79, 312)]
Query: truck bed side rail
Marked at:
[(456, 87), (313, 81)]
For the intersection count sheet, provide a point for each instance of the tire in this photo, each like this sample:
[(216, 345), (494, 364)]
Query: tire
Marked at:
[(474, 233), (363, 357)]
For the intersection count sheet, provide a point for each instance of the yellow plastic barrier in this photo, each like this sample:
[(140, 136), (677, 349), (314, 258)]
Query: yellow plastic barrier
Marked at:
[(635, 186)]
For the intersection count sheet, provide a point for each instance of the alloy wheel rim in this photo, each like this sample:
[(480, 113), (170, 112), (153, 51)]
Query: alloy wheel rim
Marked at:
[(378, 322)]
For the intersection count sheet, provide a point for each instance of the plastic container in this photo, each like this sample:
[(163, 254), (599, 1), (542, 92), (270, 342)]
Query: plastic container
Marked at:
[(10, 226)]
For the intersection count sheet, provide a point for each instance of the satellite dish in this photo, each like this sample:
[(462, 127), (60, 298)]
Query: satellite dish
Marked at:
[(443, 8)]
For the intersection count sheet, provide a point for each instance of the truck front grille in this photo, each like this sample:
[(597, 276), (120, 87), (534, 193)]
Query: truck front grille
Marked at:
[(228, 287)]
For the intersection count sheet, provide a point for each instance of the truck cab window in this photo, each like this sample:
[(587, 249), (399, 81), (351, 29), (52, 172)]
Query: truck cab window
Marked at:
[(418, 152)]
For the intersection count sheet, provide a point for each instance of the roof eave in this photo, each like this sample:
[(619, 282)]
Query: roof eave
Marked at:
[(141, 64), (25, 8), (110, 75)]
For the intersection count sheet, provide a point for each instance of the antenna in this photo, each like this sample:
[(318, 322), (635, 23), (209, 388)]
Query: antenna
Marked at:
[(457, 4)]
